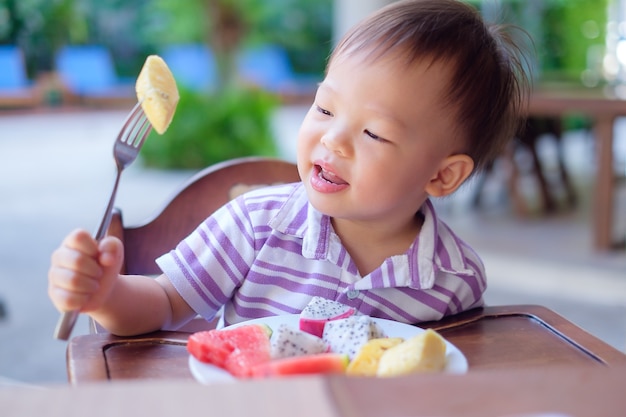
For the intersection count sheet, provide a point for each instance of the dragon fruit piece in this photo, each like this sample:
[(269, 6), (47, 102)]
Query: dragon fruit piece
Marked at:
[(288, 342), (347, 336), (319, 311)]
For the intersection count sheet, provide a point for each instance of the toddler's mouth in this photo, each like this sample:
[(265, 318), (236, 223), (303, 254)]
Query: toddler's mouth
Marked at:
[(329, 176)]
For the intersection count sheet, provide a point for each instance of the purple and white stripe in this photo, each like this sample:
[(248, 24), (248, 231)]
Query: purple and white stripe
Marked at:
[(269, 252)]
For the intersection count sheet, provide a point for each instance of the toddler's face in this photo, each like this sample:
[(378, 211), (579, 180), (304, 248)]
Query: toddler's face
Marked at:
[(374, 137)]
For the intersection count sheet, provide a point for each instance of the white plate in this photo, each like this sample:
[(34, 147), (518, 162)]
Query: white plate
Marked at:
[(205, 373)]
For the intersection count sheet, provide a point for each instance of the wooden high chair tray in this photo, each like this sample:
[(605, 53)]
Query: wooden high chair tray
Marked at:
[(499, 337)]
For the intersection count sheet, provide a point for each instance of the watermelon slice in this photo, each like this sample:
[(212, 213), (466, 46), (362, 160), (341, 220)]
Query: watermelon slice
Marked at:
[(241, 362), (235, 349), (321, 363)]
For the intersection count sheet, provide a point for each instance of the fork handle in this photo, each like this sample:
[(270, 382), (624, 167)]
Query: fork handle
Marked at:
[(65, 325), (66, 322), (108, 212)]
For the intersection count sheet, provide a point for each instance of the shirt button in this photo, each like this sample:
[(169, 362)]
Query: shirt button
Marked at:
[(352, 294)]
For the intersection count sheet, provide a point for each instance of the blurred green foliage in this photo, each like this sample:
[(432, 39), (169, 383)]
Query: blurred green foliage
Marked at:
[(132, 29), (210, 128), (234, 120), (40, 27), (564, 30), (302, 27), (567, 34), (573, 29)]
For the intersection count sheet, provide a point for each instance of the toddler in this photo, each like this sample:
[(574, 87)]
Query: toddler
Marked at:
[(415, 99)]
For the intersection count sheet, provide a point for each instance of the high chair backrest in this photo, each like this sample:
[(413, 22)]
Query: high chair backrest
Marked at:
[(193, 202)]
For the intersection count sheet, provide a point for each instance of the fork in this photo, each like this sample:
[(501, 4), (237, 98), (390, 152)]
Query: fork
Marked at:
[(125, 150)]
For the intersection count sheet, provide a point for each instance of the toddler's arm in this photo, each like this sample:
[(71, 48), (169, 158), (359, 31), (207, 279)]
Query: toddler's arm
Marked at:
[(84, 275)]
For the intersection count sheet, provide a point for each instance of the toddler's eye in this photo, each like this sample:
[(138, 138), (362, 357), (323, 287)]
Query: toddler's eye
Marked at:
[(375, 136), (323, 111)]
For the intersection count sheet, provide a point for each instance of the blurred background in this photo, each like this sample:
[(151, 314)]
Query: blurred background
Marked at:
[(247, 71)]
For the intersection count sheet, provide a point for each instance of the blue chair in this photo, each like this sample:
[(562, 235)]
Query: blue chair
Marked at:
[(88, 72), (268, 67), (13, 74), (16, 90), (193, 65)]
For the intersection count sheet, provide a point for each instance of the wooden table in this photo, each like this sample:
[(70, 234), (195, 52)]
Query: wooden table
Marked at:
[(523, 361), (587, 391), (503, 337), (537, 392), (602, 111)]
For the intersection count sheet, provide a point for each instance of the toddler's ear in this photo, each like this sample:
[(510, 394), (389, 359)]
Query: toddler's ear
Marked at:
[(452, 172)]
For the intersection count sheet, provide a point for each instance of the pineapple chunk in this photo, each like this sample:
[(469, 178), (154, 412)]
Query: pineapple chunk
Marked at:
[(157, 92), (425, 352), (365, 363)]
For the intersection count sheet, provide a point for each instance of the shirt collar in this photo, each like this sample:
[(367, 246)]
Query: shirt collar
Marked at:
[(300, 219)]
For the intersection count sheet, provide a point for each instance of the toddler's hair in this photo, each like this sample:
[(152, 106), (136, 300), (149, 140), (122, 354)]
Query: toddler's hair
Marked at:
[(490, 84)]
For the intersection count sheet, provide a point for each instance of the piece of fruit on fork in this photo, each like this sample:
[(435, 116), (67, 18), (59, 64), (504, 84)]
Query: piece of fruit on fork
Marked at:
[(157, 92)]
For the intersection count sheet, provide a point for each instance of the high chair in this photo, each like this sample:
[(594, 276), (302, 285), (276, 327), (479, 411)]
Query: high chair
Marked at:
[(193, 202)]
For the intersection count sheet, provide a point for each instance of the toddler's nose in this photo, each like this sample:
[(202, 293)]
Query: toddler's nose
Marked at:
[(337, 141)]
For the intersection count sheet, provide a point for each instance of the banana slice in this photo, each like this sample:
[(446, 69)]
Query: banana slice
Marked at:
[(365, 363), (157, 92), (425, 352)]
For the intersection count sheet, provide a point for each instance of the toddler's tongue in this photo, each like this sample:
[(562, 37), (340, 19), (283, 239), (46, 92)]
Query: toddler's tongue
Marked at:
[(331, 177)]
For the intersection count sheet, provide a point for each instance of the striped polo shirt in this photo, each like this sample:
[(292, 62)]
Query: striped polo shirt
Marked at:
[(268, 252)]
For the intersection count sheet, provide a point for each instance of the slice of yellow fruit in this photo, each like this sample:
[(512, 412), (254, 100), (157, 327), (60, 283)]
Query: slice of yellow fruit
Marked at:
[(365, 363), (157, 92), (425, 352)]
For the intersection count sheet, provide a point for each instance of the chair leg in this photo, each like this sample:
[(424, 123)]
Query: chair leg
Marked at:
[(528, 138), (534, 129), (548, 205), (554, 126), (570, 191), (517, 199)]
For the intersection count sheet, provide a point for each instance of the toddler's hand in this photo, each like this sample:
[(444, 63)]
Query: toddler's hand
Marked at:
[(83, 271)]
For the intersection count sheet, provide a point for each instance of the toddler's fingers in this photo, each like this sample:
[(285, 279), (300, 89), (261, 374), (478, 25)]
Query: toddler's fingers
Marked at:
[(67, 301), (81, 241), (111, 252), (75, 260), (72, 281), (68, 290)]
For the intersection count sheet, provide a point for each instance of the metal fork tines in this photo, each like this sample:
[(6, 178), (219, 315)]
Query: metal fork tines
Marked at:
[(125, 150)]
